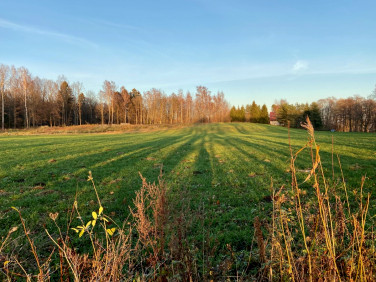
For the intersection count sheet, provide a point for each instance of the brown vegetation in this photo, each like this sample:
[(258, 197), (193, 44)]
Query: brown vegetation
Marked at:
[(317, 240), (92, 128)]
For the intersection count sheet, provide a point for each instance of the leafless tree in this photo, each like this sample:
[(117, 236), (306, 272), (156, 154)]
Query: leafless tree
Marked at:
[(4, 75)]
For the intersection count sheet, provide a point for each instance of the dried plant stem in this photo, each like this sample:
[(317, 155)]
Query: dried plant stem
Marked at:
[(33, 249), (344, 185), (71, 265), (90, 235), (332, 158), (23, 269), (273, 230), (299, 205), (95, 188), (287, 247), (328, 232)]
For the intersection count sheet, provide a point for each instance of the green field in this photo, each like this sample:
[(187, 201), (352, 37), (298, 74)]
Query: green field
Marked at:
[(218, 174)]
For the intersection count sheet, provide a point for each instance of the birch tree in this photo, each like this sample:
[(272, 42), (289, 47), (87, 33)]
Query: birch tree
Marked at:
[(4, 74)]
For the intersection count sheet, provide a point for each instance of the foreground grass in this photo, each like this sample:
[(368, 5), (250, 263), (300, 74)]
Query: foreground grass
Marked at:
[(218, 175)]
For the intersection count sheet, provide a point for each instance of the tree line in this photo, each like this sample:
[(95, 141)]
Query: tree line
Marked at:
[(28, 100), (350, 114), (294, 114), (353, 114), (252, 113)]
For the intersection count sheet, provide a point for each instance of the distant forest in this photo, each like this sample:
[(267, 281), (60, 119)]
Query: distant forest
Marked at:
[(30, 101), (353, 114)]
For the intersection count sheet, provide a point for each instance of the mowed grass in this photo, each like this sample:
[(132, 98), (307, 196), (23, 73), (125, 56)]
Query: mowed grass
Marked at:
[(218, 174)]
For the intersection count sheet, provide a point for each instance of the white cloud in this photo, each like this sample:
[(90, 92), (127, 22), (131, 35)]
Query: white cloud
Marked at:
[(60, 36), (300, 65)]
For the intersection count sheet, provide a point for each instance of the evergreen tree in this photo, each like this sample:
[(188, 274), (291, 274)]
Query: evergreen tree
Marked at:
[(264, 115), (283, 114), (233, 114), (314, 115), (242, 114), (237, 114), (254, 112), (65, 99)]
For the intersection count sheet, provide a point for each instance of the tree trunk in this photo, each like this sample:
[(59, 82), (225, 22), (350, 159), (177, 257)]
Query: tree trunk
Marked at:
[(2, 108), (26, 112), (15, 114), (102, 114), (112, 106), (181, 112), (79, 113)]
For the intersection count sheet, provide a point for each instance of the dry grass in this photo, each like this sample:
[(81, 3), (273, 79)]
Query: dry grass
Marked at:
[(150, 216), (91, 128), (319, 240)]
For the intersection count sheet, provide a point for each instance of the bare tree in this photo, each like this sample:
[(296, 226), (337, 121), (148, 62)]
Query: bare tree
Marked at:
[(26, 80), (77, 89), (4, 73), (126, 101), (109, 88)]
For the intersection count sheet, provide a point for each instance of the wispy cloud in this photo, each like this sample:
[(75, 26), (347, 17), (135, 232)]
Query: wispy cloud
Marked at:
[(117, 25), (226, 74), (300, 65), (61, 36)]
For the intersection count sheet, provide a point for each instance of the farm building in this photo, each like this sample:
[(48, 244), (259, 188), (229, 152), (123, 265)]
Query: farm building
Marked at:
[(273, 118)]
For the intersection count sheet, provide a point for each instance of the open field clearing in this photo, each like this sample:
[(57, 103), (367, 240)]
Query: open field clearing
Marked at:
[(218, 177)]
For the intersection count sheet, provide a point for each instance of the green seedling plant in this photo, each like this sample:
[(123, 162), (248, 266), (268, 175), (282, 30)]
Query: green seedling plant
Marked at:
[(96, 216)]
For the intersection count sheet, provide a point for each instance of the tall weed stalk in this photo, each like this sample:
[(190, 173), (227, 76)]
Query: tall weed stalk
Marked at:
[(317, 240)]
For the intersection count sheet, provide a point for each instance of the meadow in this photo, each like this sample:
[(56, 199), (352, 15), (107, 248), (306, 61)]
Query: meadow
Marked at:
[(218, 178)]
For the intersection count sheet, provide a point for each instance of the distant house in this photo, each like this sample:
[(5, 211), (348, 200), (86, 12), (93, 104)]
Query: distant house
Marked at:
[(273, 118)]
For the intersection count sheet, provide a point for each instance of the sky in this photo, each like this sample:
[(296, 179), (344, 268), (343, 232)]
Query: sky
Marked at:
[(262, 50)]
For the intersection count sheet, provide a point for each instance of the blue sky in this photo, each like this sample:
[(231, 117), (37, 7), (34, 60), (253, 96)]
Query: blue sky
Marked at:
[(252, 50)]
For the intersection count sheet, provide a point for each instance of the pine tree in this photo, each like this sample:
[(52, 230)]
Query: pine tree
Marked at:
[(264, 115), (254, 112), (315, 115), (283, 114), (242, 114), (65, 98), (233, 114)]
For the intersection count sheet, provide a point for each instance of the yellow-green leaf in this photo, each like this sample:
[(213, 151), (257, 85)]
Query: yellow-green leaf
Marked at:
[(75, 229), (81, 233), (6, 262), (94, 214), (111, 231), (93, 222), (100, 210), (88, 224)]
